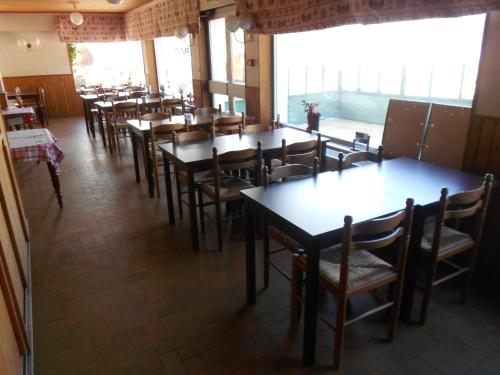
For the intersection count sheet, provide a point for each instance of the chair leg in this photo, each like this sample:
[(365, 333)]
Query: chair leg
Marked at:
[(218, 219), (339, 331), (395, 290), (429, 278), (201, 209), (117, 135), (266, 258), (468, 278)]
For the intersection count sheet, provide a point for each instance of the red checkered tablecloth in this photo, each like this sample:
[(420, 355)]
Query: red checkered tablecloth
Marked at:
[(35, 145)]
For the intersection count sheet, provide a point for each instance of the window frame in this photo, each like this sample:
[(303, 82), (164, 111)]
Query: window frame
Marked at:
[(228, 88)]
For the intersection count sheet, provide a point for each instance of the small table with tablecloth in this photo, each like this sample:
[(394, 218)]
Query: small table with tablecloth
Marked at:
[(38, 145)]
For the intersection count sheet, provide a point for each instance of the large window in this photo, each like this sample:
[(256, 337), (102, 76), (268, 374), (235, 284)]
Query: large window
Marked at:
[(227, 61), (353, 71), (108, 64), (173, 63)]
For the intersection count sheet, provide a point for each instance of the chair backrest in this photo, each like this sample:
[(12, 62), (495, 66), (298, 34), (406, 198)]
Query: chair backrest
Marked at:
[(256, 128), (463, 205), (154, 116), (195, 136), (115, 98), (376, 234), (228, 124), (173, 103), (289, 172), (235, 160), (301, 152), (125, 110), (133, 88), (349, 160), (206, 111), (136, 95), (165, 132), (153, 95)]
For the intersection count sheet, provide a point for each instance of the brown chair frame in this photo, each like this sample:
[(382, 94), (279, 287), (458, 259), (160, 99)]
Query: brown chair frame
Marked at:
[(349, 160), (231, 160), (172, 103), (301, 152), (125, 109), (370, 235), (452, 208), (163, 131), (228, 124)]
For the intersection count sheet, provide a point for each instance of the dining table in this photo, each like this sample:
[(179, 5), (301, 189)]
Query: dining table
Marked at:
[(311, 211), (140, 136), (195, 157), (38, 145)]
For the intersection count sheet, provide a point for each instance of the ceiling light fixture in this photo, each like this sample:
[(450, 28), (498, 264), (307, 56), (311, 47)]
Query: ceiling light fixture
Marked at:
[(114, 2), (75, 17)]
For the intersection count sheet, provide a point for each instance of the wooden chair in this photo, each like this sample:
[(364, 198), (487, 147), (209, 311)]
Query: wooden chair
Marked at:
[(282, 174), (41, 108), (301, 152), (121, 112), (206, 111), (155, 116), (227, 125), (133, 88), (228, 189), (441, 242), (350, 269), (256, 128), (161, 133), (135, 95), (181, 175), (349, 160), (171, 104)]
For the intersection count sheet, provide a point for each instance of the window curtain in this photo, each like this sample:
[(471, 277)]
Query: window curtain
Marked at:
[(285, 16), (152, 20), (161, 18), (95, 28)]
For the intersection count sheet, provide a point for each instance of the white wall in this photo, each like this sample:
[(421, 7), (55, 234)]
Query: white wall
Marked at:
[(488, 85), (52, 56)]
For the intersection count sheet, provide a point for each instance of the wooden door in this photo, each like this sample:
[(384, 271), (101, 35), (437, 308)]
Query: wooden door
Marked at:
[(14, 263)]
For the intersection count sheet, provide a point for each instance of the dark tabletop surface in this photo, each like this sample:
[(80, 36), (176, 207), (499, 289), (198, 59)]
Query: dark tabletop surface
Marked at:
[(318, 206), (202, 151), (196, 120)]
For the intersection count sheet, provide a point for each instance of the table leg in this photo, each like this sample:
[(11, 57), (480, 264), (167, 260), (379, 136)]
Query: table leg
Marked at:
[(86, 114), (54, 176), (250, 253), (149, 167), (136, 158), (192, 211), (311, 305), (101, 126), (90, 119), (168, 186), (412, 263)]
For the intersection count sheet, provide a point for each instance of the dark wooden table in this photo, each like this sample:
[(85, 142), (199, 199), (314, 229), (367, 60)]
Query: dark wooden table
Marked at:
[(197, 157), (139, 131), (312, 210)]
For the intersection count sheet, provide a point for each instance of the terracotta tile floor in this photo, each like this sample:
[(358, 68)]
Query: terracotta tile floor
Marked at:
[(118, 291)]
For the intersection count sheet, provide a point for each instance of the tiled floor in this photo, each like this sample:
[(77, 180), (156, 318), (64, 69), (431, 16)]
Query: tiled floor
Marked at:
[(118, 291)]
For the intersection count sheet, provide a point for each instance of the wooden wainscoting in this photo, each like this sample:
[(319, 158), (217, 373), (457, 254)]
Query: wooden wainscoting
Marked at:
[(60, 92), (252, 99), (482, 152)]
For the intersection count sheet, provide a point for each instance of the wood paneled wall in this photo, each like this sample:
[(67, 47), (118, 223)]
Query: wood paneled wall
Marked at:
[(60, 92), (252, 99), (483, 146), (201, 94)]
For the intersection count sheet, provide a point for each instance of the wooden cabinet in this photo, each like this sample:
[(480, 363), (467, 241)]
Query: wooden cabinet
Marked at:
[(14, 268)]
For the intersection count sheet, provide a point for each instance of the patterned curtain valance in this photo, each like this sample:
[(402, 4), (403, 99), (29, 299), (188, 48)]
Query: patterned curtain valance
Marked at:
[(161, 18), (286, 16), (95, 28)]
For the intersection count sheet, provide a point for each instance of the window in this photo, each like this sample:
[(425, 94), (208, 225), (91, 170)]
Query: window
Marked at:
[(353, 71), (108, 64), (173, 64), (227, 60)]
